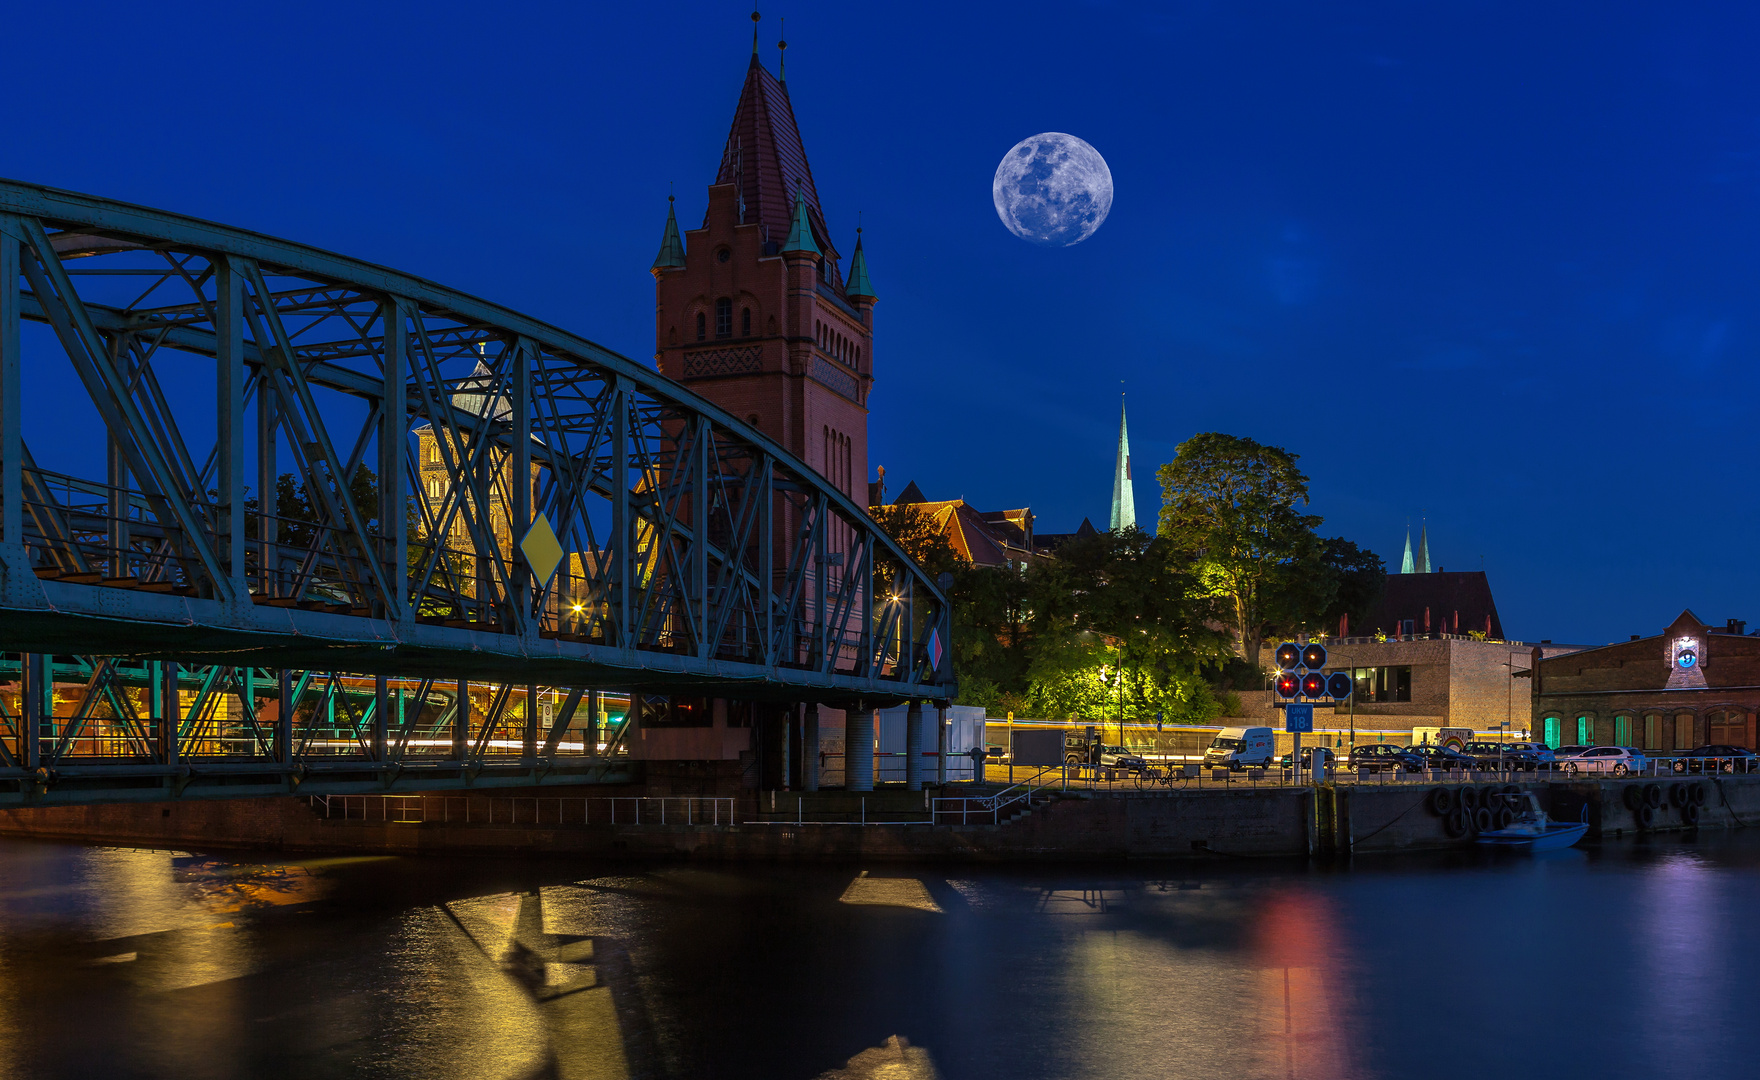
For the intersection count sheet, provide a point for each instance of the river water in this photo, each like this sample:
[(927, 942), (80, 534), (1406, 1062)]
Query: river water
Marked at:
[(1626, 959)]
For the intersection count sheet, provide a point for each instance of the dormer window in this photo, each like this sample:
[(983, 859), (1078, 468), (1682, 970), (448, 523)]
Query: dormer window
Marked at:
[(724, 318)]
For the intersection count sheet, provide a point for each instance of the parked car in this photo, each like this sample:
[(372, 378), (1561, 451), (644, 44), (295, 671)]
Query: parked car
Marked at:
[(1618, 760), (1326, 755), (1441, 757), (1717, 758), (1542, 753), (1497, 755), (1563, 752), (1384, 757)]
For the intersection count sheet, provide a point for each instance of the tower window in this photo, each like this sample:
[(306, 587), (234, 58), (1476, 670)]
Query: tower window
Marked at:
[(723, 317), (745, 322), (722, 255), (700, 334)]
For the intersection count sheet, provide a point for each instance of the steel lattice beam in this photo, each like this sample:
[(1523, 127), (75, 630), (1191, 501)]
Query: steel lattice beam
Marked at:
[(702, 557)]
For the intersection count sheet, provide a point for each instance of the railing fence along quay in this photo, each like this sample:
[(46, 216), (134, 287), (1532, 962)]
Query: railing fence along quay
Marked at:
[(978, 807)]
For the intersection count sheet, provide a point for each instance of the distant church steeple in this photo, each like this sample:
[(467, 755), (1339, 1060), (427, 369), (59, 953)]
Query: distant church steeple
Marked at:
[(1423, 548), (1124, 501), (1405, 564)]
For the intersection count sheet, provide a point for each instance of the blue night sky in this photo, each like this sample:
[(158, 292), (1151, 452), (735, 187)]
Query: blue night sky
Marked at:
[(1495, 263)]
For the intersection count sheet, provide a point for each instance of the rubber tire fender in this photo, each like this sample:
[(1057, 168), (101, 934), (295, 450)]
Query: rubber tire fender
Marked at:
[(1441, 801), (1634, 796), (1512, 789), (1469, 797), (1646, 816), (1483, 819), (1653, 796), (1677, 794), (1690, 814), (1456, 824), (1505, 818), (1698, 794)]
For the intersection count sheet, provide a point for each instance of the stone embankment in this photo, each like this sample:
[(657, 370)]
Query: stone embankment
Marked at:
[(1218, 822)]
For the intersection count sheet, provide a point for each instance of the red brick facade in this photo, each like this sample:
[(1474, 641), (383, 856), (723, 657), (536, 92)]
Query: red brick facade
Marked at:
[(772, 338)]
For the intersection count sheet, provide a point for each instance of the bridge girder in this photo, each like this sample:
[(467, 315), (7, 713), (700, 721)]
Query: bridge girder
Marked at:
[(700, 557)]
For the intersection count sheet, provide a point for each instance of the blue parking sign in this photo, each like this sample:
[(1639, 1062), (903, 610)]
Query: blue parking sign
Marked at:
[(1299, 718)]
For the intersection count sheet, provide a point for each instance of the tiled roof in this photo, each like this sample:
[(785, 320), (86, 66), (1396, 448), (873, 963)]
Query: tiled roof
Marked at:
[(1408, 596), (765, 155)]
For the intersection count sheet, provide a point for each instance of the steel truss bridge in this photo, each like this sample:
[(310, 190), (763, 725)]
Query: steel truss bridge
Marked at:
[(269, 485)]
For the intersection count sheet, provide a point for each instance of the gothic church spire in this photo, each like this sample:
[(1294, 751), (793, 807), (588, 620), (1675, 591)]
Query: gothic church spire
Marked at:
[(1124, 502)]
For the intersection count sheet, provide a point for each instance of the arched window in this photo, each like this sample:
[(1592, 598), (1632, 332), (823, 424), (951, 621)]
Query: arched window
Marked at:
[(1683, 731), (745, 322), (1653, 732), (1586, 731), (700, 333), (723, 318), (1551, 732), (1622, 729)]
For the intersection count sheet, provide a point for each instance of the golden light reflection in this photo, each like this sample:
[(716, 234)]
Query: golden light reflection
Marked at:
[(1298, 989), (902, 892), (895, 1059)]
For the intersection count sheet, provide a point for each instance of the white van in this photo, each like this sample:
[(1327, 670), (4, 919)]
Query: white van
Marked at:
[(1240, 748)]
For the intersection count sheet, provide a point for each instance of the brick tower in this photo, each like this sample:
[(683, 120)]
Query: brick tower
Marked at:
[(752, 310)]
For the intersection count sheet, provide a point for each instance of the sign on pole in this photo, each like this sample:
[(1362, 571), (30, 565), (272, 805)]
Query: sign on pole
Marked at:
[(1298, 717)]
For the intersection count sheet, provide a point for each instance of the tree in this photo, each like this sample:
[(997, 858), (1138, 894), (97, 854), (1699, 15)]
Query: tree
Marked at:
[(1232, 507), (1359, 577)]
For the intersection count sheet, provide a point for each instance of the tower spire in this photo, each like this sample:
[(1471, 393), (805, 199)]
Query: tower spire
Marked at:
[(782, 53), (1405, 564), (671, 255), (858, 286), (755, 20), (1423, 547), (1124, 502)]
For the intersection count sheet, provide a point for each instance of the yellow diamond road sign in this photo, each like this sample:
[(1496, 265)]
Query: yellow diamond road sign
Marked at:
[(542, 550)]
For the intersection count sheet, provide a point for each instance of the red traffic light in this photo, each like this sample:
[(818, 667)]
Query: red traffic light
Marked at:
[(1314, 685), (1314, 657), (1287, 685), (1288, 655)]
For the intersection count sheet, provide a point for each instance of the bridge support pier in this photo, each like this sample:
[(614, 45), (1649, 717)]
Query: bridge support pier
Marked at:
[(858, 749), (913, 746), (810, 747)]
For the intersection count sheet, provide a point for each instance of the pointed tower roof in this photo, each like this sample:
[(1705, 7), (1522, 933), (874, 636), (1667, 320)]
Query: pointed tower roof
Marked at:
[(671, 255), (1124, 500), (1405, 564), (858, 284), (765, 157), (1423, 549), (800, 230)]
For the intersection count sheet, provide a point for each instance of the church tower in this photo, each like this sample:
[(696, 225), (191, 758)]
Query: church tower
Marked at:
[(753, 311)]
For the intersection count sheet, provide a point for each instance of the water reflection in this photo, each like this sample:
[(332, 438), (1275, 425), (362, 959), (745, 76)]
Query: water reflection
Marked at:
[(214, 967)]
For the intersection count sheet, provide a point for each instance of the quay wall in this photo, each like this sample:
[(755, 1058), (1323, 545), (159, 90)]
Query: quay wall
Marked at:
[(1267, 821)]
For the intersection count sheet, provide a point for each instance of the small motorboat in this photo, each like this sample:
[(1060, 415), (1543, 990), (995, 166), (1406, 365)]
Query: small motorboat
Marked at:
[(1532, 829)]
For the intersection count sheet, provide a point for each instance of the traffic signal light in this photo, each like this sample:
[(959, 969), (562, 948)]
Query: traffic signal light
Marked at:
[(1314, 657), (1288, 655), (1288, 685), (1339, 686), (1313, 684)]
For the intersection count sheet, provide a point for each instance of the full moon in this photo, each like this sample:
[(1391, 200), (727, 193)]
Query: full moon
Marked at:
[(1052, 189)]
